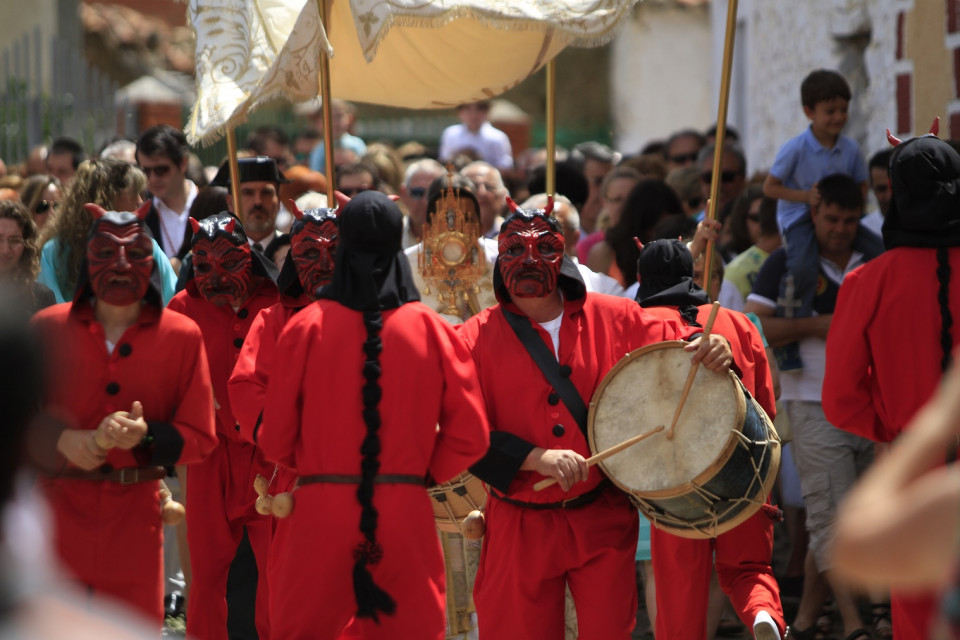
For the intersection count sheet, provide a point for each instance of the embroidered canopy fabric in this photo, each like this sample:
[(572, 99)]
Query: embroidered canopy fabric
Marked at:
[(407, 53)]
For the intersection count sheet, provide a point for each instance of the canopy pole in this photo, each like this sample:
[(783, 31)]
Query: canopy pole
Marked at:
[(324, 81), (551, 128), (234, 173), (711, 211)]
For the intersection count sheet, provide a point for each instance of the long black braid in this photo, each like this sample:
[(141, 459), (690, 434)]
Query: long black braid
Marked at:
[(943, 297), (371, 599)]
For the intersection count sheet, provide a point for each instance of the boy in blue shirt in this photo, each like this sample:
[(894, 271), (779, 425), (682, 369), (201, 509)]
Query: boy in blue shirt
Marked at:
[(802, 161)]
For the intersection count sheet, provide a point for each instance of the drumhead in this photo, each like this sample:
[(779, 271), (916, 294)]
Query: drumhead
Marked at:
[(641, 392)]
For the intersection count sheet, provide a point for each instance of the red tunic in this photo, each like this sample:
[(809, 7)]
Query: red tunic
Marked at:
[(108, 534), (313, 424), (876, 379), (248, 382), (220, 494), (742, 556), (529, 555)]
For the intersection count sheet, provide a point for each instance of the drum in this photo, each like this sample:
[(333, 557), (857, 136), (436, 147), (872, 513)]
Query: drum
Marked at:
[(454, 500), (719, 467)]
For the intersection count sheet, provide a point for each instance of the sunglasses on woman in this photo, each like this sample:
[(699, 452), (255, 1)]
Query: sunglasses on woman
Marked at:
[(44, 205)]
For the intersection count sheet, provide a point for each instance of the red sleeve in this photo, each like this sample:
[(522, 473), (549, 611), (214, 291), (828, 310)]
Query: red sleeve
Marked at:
[(283, 406), (848, 380), (464, 434), (194, 417), (753, 352), (247, 386)]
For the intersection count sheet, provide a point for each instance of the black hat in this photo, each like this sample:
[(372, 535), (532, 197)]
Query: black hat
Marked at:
[(260, 168), (925, 207)]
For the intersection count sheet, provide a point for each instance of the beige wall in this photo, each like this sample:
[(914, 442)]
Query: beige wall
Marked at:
[(660, 74)]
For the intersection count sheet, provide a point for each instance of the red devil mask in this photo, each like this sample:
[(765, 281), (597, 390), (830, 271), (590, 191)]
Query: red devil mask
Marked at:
[(313, 246), (222, 263), (119, 255), (531, 251)]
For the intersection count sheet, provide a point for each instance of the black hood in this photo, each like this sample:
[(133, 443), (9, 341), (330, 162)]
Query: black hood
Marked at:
[(371, 271), (217, 226), (925, 206)]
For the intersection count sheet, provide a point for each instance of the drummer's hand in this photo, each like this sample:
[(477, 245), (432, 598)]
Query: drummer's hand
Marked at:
[(566, 466), (714, 353)]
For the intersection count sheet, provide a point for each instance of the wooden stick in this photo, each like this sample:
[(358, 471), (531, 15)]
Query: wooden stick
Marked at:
[(721, 133), (693, 370), (603, 455), (325, 104), (234, 167), (551, 126)]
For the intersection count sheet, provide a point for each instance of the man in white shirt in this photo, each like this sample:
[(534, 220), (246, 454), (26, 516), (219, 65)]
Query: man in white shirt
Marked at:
[(474, 132), (163, 154)]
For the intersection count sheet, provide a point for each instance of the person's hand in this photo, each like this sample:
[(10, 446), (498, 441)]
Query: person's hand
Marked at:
[(713, 353), (123, 429), (566, 466), (708, 229), (79, 446), (814, 196)]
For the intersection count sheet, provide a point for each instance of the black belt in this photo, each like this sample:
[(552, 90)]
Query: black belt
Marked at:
[(383, 478), (126, 475), (575, 502)]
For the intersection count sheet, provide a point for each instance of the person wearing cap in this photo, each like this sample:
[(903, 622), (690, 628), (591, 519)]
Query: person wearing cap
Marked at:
[(130, 383), (581, 531), (227, 285), (912, 287), (361, 540), (742, 556), (260, 181)]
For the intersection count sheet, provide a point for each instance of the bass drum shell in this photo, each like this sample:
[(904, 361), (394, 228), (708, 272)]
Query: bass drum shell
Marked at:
[(721, 463)]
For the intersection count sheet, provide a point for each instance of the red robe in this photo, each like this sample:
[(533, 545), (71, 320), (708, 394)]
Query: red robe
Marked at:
[(876, 379), (220, 494), (313, 424), (529, 555), (682, 566), (108, 534)]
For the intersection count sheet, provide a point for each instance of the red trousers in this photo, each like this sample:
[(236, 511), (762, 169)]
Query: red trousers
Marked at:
[(110, 537), (530, 555), (220, 504), (913, 615), (682, 570)]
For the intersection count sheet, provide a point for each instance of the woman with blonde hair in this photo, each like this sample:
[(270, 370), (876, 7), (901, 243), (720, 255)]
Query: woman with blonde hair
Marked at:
[(114, 185)]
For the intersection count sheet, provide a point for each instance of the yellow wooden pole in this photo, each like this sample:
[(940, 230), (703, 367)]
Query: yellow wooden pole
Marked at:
[(234, 172), (551, 128), (324, 81), (721, 134)]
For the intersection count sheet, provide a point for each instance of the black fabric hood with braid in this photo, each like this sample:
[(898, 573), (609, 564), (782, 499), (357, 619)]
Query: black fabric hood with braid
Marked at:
[(371, 275), (925, 212), (925, 206), (371, 271)]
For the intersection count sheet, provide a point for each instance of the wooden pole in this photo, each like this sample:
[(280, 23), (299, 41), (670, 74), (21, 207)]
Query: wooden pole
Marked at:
[(603, 455), (693, 371), (324, 81), (721, 134), (234, 173), (551, 128)]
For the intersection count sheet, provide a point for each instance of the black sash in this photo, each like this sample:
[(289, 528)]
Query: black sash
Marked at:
[(549, 366)]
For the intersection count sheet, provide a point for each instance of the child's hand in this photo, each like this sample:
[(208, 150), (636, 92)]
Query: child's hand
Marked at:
[(814, 195)]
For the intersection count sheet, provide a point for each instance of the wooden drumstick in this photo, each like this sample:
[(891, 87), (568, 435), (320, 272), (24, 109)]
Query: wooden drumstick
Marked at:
[(693, 371), (603, 455)]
